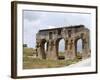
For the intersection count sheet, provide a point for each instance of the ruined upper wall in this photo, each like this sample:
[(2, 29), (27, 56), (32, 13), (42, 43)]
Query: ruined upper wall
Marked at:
[(67, 31)]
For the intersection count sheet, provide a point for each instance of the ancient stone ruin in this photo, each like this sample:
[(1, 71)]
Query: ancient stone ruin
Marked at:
[(70, 34)]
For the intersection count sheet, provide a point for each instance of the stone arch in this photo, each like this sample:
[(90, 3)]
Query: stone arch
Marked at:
[(70, 34)]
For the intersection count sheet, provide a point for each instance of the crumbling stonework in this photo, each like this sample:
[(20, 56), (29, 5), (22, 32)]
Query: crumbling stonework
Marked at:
[(70, 34)]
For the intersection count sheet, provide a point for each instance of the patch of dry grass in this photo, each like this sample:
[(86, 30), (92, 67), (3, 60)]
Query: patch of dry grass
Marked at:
[(30, 63), (33, 63)]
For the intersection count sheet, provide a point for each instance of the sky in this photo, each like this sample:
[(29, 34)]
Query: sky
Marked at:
[(33, 21)]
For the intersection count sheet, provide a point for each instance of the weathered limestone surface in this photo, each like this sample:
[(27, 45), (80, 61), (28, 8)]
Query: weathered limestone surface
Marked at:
[(70, 34)]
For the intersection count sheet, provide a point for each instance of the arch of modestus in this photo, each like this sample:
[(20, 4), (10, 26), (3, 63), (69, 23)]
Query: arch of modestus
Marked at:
[(70, 34)]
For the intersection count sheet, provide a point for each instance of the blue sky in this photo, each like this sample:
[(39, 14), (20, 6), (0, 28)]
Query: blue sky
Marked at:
[(33, 21)]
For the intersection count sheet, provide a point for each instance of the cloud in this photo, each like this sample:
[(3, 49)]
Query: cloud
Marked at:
[(50, 27), (31, 15), (35, 21)]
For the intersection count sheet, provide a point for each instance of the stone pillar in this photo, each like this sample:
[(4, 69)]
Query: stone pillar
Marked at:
[(70, 49), (52, 50), (66, 49), (88, 43), (86, 48), (49, 50), (41, 50), (73, 49)]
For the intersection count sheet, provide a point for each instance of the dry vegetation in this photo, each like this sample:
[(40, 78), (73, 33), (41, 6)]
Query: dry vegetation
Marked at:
[(30, 62)]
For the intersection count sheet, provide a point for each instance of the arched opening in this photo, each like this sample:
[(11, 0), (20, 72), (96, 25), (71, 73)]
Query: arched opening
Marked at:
[(79, 48), (61, 49), (46, 47)]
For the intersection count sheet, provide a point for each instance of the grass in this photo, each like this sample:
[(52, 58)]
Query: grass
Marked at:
[(61, 53), (28, 51), (31, 63)]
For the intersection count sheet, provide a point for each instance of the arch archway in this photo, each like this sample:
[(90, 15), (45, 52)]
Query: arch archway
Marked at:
[(61, 49), (79, 48)]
